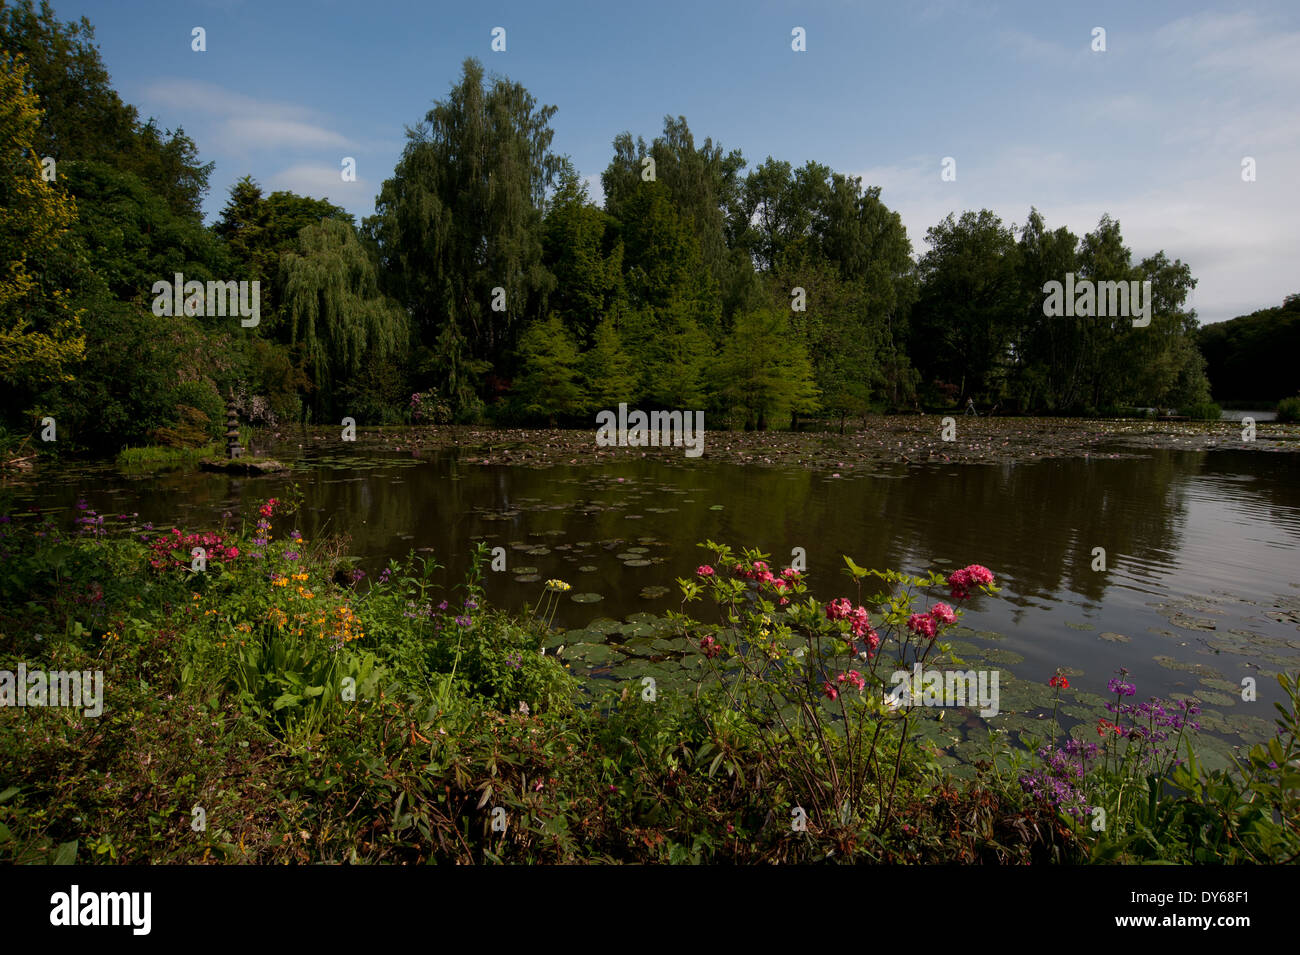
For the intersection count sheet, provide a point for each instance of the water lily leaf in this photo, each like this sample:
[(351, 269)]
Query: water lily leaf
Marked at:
[(588, 569), (528, 578), (586, 598), (1110, 637), (654, 592)]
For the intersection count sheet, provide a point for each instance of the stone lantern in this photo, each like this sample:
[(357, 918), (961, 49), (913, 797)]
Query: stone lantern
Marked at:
[(233, 450)]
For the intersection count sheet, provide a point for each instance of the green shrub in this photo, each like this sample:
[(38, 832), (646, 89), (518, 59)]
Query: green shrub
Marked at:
[(1288, 410), (1203, 411)]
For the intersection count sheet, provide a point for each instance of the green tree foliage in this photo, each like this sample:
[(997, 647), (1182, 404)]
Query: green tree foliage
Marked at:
[(701, 183), (85, 119), (549, 383), (1253, 357), (584, 255), (764, 373), (40, 334), (462, 215), (133, 238), (608, 370), (259, 229), (335, 308), (968, 293)]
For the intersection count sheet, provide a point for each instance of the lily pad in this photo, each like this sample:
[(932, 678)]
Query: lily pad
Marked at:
[(637, 563), (528, 578), (653, 592), (587, 598), (1110, 637), (588, 569)]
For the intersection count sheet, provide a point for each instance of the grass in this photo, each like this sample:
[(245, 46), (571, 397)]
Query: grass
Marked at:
[(157, 459)]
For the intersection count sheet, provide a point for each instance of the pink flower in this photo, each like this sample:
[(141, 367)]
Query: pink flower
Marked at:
[(853, 677), (704, 570), (790, 574), (838, 609), (961, 581), (944, 614), (921, 623), (232, 552), (859, 622), (830, 691)]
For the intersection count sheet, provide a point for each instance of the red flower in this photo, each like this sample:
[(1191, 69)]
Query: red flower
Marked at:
[(1103, 725), (1060, 681)]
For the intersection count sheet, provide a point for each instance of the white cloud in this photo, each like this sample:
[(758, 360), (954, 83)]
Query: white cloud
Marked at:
[(321, 182), (245, 123)]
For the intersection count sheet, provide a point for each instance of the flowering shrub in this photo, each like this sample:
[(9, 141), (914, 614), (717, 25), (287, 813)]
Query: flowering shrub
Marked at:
[(807, 680), (173, 550)]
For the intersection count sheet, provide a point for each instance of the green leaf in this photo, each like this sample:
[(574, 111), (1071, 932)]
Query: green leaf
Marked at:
[(854, 569), (65, 854)]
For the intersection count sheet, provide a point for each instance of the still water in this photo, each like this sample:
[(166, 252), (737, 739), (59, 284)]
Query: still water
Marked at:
[(1202, 549)]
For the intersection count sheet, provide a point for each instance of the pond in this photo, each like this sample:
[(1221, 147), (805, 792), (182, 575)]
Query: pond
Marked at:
[(1201, 586)]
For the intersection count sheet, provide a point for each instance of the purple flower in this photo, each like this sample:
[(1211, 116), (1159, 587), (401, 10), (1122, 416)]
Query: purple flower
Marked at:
[(463, 621), (291, 555), (470, 604), (443, 605), (1120, 687)]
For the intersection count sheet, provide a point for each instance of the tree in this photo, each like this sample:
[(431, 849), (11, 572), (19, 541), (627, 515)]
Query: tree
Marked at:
[(582, 252), (462, 215), (777, 208), (259, 229), (701, 184), (335, 308), (1252, 357), (40, 333), (85, 119), (764, 372), (549, 383), (968, 297), (607, 369)]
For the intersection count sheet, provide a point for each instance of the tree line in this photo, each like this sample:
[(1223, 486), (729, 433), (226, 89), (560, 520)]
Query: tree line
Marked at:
[(487, 285)]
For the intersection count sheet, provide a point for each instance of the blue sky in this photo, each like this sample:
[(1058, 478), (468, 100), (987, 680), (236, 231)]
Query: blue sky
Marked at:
[(1153, 130)]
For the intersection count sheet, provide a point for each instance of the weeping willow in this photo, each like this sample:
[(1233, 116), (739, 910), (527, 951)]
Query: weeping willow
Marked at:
[(336, 311)]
